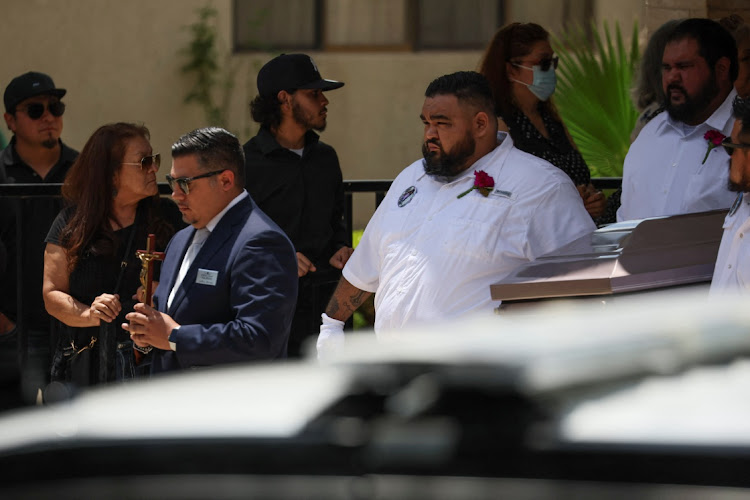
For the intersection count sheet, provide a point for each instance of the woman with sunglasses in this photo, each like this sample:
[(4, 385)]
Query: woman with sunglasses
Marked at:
[(91, 271), (520, 66)]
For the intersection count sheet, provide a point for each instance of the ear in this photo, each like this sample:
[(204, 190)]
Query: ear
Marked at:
[(722, 68), (284, 97), (510, 70), (482, 124), (10, 121), (226, 180)]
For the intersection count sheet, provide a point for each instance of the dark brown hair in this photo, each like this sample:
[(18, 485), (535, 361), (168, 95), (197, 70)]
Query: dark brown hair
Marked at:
[(510, 43), (89, 187)]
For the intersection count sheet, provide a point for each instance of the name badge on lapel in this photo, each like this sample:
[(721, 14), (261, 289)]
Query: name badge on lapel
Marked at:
[(206, 277)]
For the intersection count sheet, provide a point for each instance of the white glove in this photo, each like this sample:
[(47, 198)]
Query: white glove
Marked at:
[(331, 338)]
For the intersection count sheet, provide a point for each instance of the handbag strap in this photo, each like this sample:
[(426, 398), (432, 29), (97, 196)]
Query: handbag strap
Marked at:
[(128, 249)]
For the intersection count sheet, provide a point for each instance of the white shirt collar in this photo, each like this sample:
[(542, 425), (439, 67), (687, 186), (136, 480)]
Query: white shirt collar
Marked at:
[(215, 221)]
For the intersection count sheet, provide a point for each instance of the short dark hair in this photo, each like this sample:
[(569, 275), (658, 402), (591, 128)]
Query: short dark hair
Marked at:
[(741, 111), (469, 87), (266, 111), (714, 42), (214, 147)]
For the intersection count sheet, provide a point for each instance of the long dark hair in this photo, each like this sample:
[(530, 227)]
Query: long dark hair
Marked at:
[(511, 42), (89, 187)]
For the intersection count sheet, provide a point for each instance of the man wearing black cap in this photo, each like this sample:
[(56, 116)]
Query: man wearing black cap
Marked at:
[(33, 113), (296, 179)]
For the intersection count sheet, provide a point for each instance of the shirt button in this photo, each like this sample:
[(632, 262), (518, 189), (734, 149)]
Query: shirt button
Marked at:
[(429, 218), (742, 235), (414, 252), (729, 266)]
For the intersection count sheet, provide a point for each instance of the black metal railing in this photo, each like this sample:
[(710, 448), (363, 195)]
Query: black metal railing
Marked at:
[(351, 187)]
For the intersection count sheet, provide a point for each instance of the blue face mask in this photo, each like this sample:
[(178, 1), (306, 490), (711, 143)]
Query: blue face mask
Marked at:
[(544, 82)]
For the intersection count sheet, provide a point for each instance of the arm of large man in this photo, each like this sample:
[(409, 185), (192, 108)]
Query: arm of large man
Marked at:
[(345, 300)]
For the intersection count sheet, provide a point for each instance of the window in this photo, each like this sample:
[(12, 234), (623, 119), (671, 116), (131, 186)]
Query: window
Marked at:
[(277, 24), (365, 24)]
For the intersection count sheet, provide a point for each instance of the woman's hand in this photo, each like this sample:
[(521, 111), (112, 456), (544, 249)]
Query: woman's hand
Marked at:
[(594, 201), (105, 308)]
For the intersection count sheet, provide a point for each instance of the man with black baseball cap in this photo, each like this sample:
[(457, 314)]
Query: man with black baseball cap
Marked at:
[(35, 155), (296, 179)]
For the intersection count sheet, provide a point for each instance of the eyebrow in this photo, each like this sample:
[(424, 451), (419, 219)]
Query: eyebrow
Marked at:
[(435, 117)]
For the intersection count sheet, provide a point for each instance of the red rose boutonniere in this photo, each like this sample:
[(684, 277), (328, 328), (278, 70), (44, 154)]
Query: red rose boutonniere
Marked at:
[(482, 182), (714, 138)]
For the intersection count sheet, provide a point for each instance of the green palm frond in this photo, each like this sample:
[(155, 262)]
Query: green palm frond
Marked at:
[(593, 95)]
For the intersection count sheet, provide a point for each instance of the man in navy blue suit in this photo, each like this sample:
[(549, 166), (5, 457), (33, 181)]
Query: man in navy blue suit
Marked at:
[(229, 280)]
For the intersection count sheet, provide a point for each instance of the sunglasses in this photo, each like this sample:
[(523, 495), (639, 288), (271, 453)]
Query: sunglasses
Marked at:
[(147, 162), (184, 182), (544, 64), (729, 147), (35, 110)]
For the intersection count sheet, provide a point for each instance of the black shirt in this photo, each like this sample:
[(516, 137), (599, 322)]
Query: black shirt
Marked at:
[(556, 149), (37, 215), (303, 195)]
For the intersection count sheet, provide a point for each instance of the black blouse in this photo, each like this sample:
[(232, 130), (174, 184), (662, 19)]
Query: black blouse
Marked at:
[(557, 149)]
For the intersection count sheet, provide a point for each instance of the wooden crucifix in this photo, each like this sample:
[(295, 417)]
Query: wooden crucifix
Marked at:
[(148, 256)]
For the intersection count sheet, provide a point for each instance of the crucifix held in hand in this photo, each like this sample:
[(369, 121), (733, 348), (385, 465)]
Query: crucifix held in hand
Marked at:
[(148, 256)]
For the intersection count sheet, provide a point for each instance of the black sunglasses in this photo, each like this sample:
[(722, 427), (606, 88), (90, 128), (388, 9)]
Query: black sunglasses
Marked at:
[(544, 64), (35, 110), (147, 162), (184, 182), (729, 147)]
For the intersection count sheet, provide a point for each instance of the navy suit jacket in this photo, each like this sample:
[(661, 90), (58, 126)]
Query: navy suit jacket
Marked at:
[(247, 313)]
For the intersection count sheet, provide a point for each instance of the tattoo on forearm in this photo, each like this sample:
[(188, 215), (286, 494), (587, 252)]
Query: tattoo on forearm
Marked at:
[(333, 307), (357, 299)]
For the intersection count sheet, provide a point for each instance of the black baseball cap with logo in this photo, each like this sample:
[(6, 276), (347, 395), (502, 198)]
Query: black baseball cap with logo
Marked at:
[(291, 72), (29, 85)]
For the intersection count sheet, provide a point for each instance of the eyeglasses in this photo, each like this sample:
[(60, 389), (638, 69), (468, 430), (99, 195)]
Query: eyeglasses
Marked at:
[(184, 182), (35, 110), (147, 162), (729, 147), (544, 64)]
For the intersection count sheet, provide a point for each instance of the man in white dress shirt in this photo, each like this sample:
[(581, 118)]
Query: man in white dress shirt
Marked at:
[(436, 243), (667, 170), (732, 271)]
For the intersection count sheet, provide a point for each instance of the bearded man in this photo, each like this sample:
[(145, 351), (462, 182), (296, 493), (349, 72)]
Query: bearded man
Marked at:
[(672, 168), (732, 271), (455, 222), (296, 180)]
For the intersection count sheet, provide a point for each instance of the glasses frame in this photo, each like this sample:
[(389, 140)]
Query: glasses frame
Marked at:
[(152, 159), (184, 182), (730, 147), (544, 64), (56, 109)]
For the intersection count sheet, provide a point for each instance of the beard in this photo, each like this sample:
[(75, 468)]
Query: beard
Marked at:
[(743, 186), (442, 165), (692, 107), (306, 119), (738, 188), (49, 143)]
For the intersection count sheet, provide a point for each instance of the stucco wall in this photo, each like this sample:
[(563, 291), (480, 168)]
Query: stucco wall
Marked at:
[(120, 61)]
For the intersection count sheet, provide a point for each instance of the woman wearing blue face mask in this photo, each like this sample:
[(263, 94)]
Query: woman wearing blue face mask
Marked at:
[(520, 66)]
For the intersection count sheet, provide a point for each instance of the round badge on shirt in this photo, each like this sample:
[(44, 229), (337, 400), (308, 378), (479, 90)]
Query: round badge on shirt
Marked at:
[(407, 196)]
